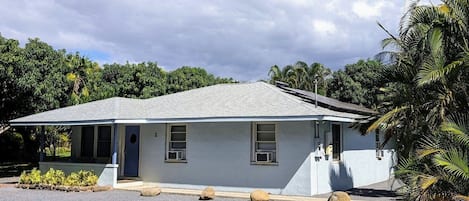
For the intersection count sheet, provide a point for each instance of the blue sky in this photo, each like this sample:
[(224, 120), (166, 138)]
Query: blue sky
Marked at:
[(239, 39)]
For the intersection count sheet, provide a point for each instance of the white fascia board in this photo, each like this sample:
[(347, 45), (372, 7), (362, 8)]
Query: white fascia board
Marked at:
[(185, 120), (62, 123), (238, 119)]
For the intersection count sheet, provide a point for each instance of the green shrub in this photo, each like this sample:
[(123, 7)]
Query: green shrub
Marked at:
[(24, 178), (53, 177), (87, 178), (81, 178), (35, 176), (57, 177), (72, 180)]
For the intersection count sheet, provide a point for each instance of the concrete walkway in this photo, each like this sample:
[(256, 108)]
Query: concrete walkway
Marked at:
[(241, 195), (383, 191)]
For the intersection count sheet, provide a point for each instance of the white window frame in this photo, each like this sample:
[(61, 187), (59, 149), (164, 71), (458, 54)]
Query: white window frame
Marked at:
[(168, 143), (254, 141)]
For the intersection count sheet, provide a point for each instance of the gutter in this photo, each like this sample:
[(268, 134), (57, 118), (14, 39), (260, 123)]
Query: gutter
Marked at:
[(182, 120)]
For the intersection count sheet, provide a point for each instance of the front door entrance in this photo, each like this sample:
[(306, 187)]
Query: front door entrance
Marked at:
[(132, 139)]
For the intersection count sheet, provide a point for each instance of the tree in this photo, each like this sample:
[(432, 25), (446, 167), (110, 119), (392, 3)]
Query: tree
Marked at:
[(301, 76), (186, 78), (143, 80), (440, 170), (359, 83), (426, 86)]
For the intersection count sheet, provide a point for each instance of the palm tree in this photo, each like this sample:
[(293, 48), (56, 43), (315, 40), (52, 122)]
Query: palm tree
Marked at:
[(427, 78), (439, 170), (427, 82), (301, 76)]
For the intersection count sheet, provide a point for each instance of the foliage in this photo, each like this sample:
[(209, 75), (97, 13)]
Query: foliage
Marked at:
[(58, 177), (24, 178), (33, 177), (301, 76), (72, 180), (81, 178), (426, 87), (359, 83), (53, 177), (36, 78), (439, 170)]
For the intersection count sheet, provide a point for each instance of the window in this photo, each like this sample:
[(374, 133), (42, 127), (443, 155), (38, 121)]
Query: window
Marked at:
[(87, 141), (336, 145), (104, 141), (264, 143), (176, 143)]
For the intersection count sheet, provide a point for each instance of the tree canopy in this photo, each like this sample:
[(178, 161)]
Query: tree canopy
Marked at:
[(37, 78)]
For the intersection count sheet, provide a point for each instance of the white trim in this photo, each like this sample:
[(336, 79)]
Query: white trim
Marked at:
[(167, 149), (186, 120), (254, 141)]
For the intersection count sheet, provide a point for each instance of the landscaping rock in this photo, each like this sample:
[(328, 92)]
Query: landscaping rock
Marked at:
[(102, 188), (259, 195), (207, 194), (85, 188), (62, 188), (339, 196), (74, 189), (154, 191)]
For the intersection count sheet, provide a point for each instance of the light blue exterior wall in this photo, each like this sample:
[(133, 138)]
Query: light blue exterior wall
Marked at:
[(219, 155), (358, 166)]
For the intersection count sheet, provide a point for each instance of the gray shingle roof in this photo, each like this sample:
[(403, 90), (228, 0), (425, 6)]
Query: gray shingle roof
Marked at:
[(246, 101)]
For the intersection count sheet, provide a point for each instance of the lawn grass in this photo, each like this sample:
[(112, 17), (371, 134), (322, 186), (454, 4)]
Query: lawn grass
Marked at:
[(59, 152), (11, 169)]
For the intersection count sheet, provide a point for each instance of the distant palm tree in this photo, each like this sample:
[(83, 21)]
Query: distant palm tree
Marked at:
[(301, 76)]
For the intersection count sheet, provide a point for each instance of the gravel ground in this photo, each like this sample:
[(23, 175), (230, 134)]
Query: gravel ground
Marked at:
[(15, 194)]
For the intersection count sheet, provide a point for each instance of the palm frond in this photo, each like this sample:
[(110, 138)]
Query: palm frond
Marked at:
[(386, 118)]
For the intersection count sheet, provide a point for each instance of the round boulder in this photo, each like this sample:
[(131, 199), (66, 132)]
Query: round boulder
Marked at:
[(207, 194), (150, 192), (339, 196), (259, 195)]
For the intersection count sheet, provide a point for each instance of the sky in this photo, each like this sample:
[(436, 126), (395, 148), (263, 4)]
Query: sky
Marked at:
[(241, 39)]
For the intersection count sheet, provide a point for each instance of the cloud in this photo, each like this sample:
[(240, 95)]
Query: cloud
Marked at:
[(241, 39), (367, 10), (324, 27)]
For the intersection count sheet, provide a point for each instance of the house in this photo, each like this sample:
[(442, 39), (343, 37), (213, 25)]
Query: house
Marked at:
[(235, 137)]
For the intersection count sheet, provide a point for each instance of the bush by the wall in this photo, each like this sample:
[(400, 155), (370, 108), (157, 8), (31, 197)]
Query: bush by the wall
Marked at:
[(55, 178)]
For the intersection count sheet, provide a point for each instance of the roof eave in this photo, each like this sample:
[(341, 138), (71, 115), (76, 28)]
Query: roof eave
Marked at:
[(183, 120)]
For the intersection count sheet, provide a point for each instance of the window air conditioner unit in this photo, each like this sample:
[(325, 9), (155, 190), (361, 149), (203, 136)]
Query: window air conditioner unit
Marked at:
[(176, 155), (263, 156)]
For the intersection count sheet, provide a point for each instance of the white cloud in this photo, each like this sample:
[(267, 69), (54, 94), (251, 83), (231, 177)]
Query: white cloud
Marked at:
[(366, 10), (324, 27), (241, 39)]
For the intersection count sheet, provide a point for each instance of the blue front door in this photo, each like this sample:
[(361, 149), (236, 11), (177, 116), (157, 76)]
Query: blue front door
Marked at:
[(132, 139)]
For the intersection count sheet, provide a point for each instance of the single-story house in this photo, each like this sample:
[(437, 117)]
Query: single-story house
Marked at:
[(235, 137)]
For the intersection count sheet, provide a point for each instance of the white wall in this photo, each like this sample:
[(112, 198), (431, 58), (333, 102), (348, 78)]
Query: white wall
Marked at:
[(358, 165), (219, 154)]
